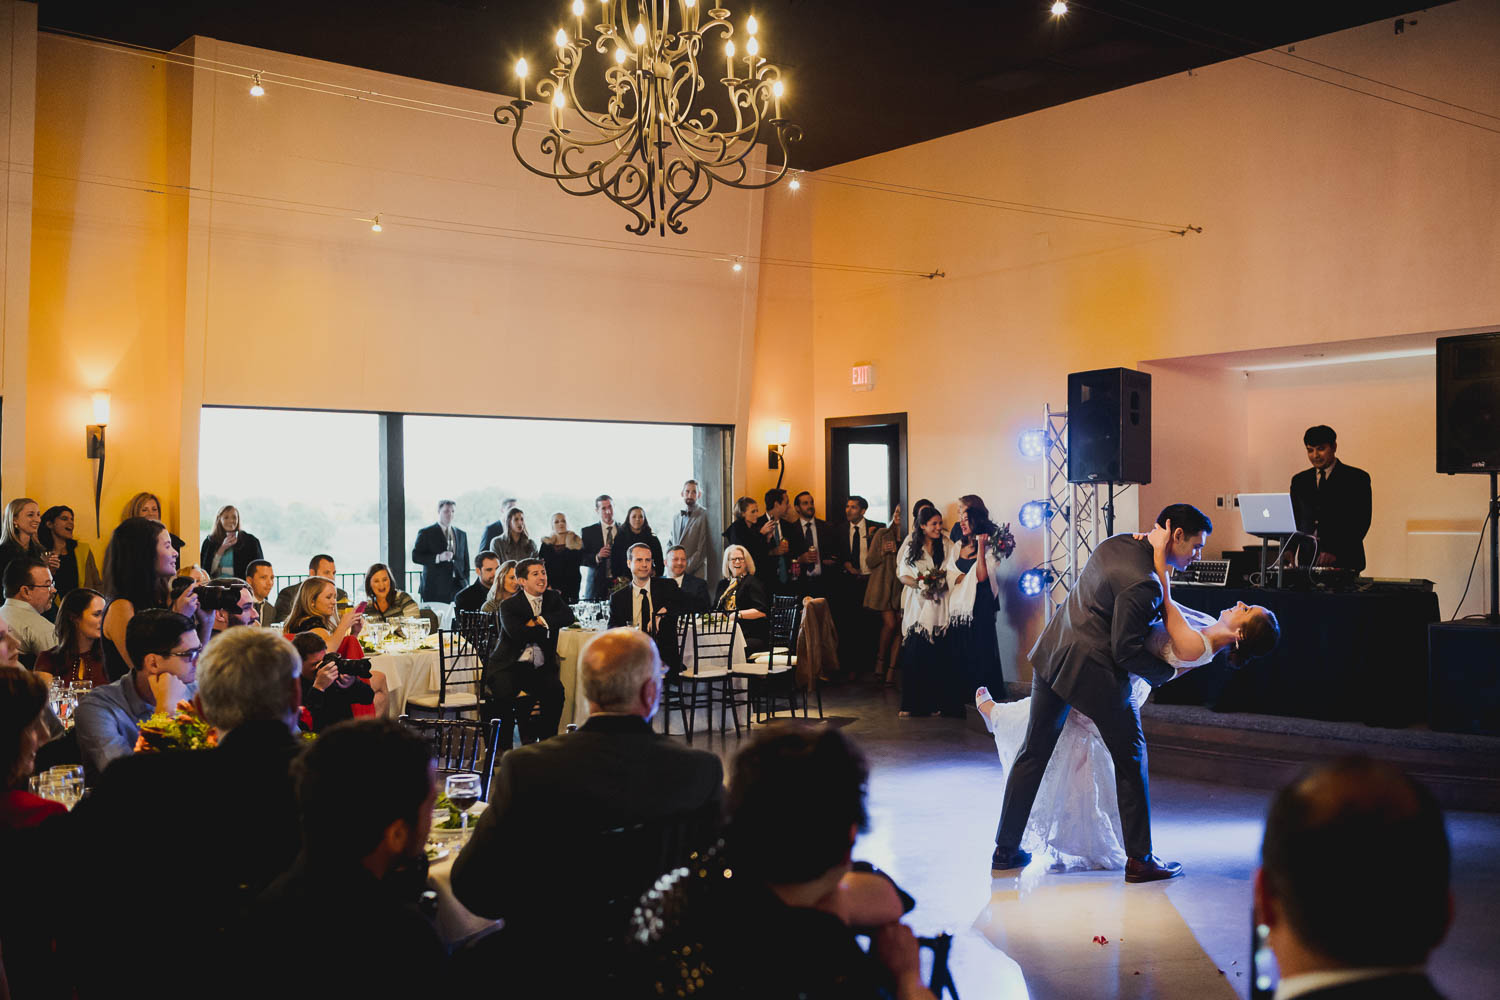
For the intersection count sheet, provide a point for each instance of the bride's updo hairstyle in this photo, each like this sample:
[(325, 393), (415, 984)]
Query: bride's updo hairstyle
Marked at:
[(1261, 632)]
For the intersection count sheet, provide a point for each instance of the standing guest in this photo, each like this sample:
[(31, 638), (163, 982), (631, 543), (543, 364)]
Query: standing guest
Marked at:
[(23, 705), (781, 541), (78, 654), (744, 531), (1331, 501), (690, 531), (18, 533), (317, 611), (386, 603), (598, 548), (365, 790), (925, 685), (145, 505), (503, 588), (108, 718), (472, 597), (847, 591), (883, 593), (328, 694), (139, 570), (262, 579), (75, 562), (498, 527), (1337, 933), (516, 543), (636, 530), (562, 553), (522, 672), (694, 590), (320, 566), (649, 604), (974, 603), (817, 550), (741, 593), (443, 553), (228, 551), (28, 593)]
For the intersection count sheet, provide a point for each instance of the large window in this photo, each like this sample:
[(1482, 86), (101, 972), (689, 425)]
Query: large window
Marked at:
[(305, 481)]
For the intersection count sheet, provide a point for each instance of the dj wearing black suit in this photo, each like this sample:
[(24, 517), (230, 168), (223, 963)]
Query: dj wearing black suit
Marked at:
[(650, 604), (1332, 501), (523, 670)]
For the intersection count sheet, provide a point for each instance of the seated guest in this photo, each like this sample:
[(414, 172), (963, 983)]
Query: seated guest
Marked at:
[(741, 593), (550, 801), (796, 800), (515, 544), (108, 718), (75, 565), (502, 588), (28, 593), (261, 579), (139, 572), (241, 790), (328, 695), (244, 612), (1337, 933), (321, 566), (23, 704), (386, 603), (522, 672), (228, 551), (635, 530), (18, 533), (78, 654), (317, 612), (649, 604), (366, 793), (472, 597), (694, 589), (562, 553)]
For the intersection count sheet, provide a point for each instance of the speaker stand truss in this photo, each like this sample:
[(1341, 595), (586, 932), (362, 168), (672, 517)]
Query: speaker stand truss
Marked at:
[(1073, 527)]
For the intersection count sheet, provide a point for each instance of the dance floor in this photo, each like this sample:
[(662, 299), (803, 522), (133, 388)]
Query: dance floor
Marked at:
[(934, 802)]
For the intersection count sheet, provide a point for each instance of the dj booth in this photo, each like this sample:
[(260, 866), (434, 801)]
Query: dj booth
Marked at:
[(1356, 655)]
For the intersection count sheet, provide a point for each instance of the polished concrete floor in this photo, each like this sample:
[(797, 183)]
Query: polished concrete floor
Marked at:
[(934, 802)]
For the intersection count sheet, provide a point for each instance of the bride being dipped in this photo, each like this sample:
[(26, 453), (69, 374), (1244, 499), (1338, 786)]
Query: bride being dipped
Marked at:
[(1075, 819)]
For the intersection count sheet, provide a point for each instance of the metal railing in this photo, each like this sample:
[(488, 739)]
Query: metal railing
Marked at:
[(352, 584)]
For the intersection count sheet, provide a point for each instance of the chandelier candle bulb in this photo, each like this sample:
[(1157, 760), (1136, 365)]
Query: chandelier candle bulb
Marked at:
[(776, 91), (562, 38), (640, 34), (521, 74), (729, 59), (751, 26)]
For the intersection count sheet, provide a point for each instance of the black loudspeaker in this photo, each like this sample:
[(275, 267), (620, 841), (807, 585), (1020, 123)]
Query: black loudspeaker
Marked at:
[(1468, 403), (1463, 677), (1109, 426)]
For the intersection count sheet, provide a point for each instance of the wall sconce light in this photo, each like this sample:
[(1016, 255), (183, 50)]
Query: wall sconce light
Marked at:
[(776, 442), (94, 447)]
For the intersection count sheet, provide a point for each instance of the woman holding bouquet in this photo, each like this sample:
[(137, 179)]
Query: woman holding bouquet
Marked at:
[(974, 567), (925, 685)]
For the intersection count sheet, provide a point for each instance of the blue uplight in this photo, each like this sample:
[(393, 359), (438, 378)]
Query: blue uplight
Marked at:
[(1033, 513), (1032, 442), (1034, 581)]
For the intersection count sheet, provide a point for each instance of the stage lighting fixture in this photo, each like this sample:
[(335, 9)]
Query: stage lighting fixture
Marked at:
[(1033, 442), (1034, 582), (1034, 513)]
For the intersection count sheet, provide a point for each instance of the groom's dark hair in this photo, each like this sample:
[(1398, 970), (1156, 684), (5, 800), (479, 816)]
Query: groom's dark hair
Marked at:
[(1185, 516)]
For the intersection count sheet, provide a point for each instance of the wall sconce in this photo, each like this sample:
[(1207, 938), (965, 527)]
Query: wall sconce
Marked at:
[(94, 447), (776, 442)]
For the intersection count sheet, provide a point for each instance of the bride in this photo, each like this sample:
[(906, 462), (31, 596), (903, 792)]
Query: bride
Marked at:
[(1075, 820)]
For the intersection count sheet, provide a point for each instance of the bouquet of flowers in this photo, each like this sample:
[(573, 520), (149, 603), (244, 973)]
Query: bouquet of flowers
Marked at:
[(1002, 541), (933, 584), (184, 730)]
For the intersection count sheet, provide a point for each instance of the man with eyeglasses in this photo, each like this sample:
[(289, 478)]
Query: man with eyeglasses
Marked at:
[(166, 647), (28, 593)]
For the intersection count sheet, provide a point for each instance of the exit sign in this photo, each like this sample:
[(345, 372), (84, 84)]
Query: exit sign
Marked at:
[(862, 377)]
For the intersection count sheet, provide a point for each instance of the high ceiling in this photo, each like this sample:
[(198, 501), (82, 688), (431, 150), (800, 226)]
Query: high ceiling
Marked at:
[(865, 76)]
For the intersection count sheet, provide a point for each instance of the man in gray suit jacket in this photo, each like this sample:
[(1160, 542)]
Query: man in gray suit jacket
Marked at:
[(1084, 660)]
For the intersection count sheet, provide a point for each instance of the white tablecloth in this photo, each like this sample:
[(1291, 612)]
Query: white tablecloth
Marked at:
[(455, 922), (407, 674), (576, 708)]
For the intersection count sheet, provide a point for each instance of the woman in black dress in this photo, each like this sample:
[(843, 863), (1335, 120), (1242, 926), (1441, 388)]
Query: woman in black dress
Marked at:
[(973, 645), (740, 593), (228, 551), (743, 531), (562, 554), (636, 530), (75, 562)]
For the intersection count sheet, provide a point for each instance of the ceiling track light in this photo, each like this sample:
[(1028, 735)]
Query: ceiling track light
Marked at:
[(256, 90), (375, 226)]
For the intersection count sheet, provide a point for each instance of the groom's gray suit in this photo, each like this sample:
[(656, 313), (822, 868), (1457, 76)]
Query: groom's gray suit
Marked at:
[(1084, 660)]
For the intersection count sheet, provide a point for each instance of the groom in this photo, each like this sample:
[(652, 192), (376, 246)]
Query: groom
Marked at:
[(1084, 660)]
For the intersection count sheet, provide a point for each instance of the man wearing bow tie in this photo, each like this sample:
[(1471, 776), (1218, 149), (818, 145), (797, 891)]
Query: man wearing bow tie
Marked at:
[(521, 680)]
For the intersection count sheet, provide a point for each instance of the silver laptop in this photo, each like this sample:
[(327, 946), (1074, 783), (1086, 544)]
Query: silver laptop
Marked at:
[(1266, 514)]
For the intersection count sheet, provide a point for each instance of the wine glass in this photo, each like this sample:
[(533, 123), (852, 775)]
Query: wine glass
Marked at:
[(463, 792)]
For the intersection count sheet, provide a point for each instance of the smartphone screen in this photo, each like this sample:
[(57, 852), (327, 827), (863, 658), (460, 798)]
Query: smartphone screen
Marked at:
[(1262, 962)]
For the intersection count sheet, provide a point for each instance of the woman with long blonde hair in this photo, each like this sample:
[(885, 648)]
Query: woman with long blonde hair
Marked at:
[(228, 551), (317, 611)]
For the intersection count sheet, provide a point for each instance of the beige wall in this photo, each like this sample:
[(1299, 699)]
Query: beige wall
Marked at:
[(17, 127)]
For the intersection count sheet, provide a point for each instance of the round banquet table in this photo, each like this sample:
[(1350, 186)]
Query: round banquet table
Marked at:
[(407, 675)]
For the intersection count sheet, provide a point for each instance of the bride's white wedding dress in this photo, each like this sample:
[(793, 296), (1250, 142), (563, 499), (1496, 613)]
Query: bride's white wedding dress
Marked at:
[(1075, 819)]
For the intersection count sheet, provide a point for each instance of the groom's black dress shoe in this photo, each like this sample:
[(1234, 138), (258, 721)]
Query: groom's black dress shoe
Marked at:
[(1150, 869), (1005, 861)]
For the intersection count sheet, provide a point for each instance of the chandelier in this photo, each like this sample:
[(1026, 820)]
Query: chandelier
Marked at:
[(656, 150)]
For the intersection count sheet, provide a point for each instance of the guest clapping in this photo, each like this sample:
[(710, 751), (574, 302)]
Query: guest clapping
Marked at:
[(317, 611), (75, 565), (503, 588), (741, 593), (228, 551), (515, 544), (141, 563), (637, 530), (18, 533), (386, 603), (562, 553), (78, 654)]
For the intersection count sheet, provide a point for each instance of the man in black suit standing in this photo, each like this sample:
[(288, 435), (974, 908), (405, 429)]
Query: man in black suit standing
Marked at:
[(443, 553), (530, 859), (817, 549), (1083, 660), (695, 596), (858, 626), (1338, 933), (522, 672), (472, 597), (775, 526), (650, 604), (598, 549), (1332, 501)]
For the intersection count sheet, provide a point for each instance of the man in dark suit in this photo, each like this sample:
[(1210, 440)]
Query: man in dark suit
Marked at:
[(443, 553), (598, 549), (857, 625), (529, 859), (497, 529), (695, 596), (472, 597), (1083, 660), (522, 672), (1338, 933), (320, 565), (782, 543), (816, 548), (1332, 501), (650, 604)]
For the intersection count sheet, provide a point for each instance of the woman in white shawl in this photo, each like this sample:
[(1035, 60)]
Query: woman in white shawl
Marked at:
[(926, 684), (974, 566)]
